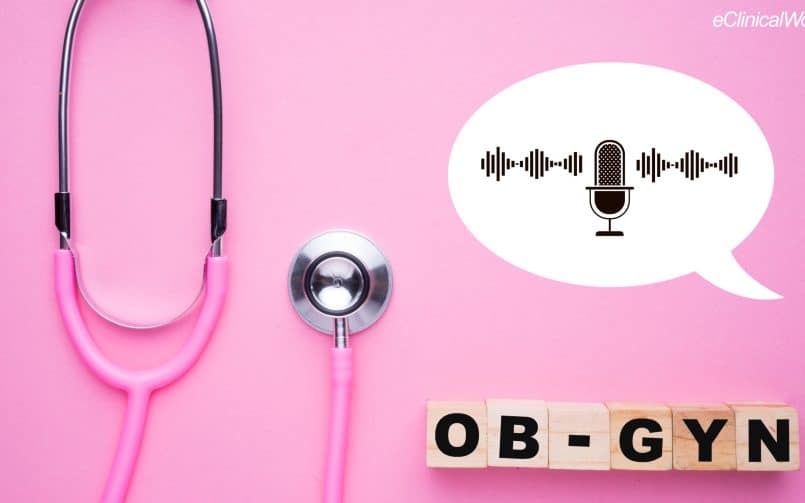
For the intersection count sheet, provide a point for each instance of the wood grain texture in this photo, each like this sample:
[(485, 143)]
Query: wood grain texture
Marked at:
[(534, 409), (437, 410), (587, 420), (686, 447), (769, 414), (621, 414)]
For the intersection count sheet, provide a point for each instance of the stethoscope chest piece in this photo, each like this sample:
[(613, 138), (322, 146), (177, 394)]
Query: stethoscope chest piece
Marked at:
[(340, 283), (340, 275)]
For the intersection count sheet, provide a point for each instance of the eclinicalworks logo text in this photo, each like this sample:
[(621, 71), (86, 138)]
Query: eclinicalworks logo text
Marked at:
[(742, 19)]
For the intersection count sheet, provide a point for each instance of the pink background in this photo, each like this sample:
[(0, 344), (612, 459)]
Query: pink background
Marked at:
[(343, 115)]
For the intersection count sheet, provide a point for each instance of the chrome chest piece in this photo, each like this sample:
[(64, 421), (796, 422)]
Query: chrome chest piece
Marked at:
[(340, 283)]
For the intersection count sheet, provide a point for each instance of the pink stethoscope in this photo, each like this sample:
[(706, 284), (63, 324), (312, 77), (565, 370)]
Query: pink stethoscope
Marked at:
[(138, 384), (340, 283)]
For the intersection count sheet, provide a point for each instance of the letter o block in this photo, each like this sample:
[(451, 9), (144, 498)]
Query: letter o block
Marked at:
[(456, 434)]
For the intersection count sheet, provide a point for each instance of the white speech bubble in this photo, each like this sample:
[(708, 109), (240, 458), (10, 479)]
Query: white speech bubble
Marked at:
[(673, 226)]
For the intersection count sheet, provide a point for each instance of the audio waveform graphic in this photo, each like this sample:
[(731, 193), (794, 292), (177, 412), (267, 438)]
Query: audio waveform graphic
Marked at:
[(691, 164), (497, 163)]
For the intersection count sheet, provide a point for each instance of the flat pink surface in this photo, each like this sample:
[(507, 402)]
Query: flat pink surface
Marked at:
[(343, 115)]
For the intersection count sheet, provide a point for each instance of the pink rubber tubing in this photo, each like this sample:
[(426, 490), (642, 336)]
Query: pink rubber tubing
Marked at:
[(341, 367), (138, 384)]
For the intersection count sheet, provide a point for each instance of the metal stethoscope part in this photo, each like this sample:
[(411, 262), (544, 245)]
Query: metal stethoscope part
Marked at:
[(339, 282)]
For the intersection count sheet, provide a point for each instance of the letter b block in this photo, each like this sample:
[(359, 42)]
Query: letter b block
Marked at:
[(456, 435), (640, 436), (767, 437), (518, 433)]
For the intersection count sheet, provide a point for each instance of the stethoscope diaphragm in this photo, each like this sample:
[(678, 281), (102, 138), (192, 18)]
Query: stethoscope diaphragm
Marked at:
[(339, 274)]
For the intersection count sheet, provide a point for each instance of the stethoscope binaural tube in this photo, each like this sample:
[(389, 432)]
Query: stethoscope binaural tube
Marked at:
[(138, 384), (340, 283), (62, 197)]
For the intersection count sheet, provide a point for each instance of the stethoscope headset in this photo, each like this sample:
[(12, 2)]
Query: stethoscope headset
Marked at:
[(339, 283)]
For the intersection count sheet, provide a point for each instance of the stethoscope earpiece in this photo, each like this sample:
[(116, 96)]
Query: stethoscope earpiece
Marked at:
[(340, 281)]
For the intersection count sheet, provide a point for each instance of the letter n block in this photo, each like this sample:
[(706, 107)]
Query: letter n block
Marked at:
[(456, 434), (578, 436), (767, 436), (704, 437), (640, 436), (518, 433)]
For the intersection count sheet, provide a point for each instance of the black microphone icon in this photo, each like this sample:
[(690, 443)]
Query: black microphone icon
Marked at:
[(609, 197)]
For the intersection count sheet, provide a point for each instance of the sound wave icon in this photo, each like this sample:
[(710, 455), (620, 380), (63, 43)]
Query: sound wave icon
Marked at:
[(651, 164), (536, 164)]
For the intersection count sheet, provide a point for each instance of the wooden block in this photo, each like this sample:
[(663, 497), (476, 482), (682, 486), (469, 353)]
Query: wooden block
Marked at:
[(456, 434), (767, 436), (578, 436), (640, 436), (704, 437), (517, 433)]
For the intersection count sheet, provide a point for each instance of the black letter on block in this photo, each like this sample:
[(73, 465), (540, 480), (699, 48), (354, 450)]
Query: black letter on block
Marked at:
[(443, 440), (508, 437), (705, 439), (758, 433), (654, 444)]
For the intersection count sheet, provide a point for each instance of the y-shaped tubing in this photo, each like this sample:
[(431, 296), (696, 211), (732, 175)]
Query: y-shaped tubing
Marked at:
[(138, 384), (341, 368)]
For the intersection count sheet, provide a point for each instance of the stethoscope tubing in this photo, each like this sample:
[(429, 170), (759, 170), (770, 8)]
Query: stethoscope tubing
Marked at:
[(340, 398), (138, 384)]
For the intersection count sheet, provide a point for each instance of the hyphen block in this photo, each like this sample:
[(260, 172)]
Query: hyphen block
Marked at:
[(578, 436), (517, 433), (456, 434), (704, 437), (767, 436), (640, 436)]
